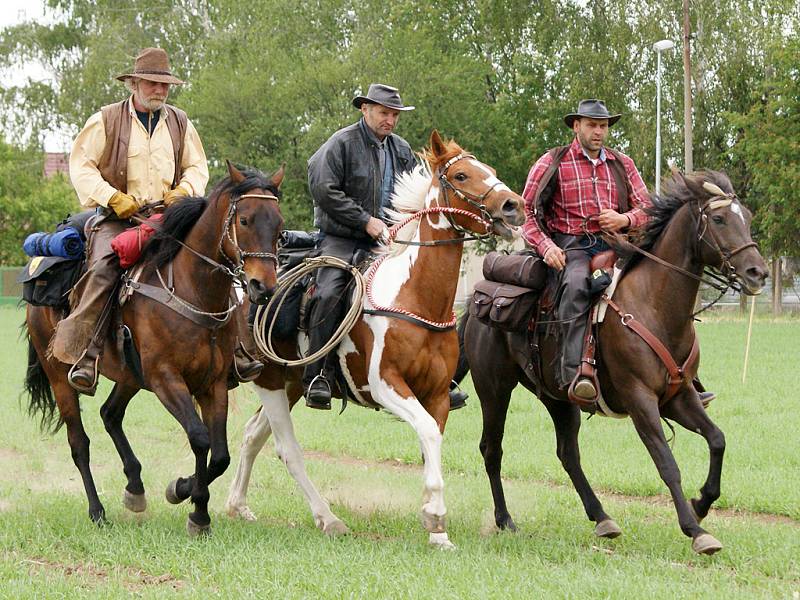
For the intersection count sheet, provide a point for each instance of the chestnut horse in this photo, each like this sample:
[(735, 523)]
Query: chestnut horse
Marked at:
[(395, 363), (223, 238), (698, 222)]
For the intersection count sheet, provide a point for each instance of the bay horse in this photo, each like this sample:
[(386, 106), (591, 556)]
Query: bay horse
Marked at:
[(206, 244), (405, 364), (698, 222)]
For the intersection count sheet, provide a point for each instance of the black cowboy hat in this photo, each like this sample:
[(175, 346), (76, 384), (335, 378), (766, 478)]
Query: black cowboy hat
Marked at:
[(592, 109), (385, 95)]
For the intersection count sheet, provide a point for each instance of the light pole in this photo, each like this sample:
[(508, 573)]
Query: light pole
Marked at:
[(659, 47)]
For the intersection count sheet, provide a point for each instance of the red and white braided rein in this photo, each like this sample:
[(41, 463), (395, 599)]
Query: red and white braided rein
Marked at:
[(393, 231)]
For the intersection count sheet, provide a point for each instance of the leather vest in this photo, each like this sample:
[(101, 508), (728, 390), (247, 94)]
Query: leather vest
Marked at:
[(117, 121)]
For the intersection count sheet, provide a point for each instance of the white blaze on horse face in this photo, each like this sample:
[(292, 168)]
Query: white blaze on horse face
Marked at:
[(491, 179), (738, 210)]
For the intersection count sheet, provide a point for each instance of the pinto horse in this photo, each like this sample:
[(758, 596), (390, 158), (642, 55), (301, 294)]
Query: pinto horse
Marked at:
[(402, 364), (205, 244), (698, 222)]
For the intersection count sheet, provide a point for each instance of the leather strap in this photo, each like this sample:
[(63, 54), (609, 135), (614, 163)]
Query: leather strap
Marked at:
[(677, 375), (409, 318), (168, 299)]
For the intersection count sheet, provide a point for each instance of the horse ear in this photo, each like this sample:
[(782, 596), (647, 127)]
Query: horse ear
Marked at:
[(277, 178), (437, 145), (236, 174)]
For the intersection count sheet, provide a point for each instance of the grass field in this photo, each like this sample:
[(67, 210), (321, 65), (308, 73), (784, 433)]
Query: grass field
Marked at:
[(368, 465)]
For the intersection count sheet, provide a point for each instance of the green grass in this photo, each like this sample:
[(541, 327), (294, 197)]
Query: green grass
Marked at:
[(49, 548)]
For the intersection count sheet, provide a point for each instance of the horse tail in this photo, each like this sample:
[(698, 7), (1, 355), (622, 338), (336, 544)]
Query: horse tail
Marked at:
[(462, 367), (40, 394)]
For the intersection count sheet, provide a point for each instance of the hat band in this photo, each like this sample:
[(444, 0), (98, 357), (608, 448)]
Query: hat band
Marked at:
[(152, 73)]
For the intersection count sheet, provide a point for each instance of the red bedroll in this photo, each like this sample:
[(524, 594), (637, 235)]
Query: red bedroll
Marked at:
[(129, 244)]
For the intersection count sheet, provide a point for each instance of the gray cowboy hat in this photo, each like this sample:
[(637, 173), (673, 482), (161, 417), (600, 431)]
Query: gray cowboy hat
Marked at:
[(592, 109), (152, 64), (385, 95)]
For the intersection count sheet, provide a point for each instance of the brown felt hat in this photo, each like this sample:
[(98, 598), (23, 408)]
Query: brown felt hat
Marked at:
[(152, 64)]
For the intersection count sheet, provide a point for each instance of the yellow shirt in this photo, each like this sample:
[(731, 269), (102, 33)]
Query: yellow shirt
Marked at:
[(151, 162)]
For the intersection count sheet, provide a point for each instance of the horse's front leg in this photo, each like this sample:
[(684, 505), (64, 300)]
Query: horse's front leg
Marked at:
[(646, 418), (113, 413), (394, 394), (174, 395), (276, 407), (256, 433), (687, 410)]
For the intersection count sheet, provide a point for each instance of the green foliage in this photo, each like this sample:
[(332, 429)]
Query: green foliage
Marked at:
[(29, 202)]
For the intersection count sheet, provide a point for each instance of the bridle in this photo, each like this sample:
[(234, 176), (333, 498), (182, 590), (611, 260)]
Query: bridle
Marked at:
[(476, 201), (229, 229)]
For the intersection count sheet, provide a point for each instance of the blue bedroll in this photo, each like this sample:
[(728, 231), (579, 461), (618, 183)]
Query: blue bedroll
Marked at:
[(67, 243)]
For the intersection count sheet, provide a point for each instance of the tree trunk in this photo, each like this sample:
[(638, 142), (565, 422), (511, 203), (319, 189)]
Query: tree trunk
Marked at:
[(777, 286)]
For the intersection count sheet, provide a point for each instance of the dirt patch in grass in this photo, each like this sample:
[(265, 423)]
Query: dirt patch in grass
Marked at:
[(89, 575)]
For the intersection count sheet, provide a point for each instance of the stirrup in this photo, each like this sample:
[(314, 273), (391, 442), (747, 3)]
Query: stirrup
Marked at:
[(311, 403), (90, 390)]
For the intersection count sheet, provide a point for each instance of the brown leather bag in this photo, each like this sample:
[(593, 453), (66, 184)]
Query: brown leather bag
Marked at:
[(502, 305), (524, 269)]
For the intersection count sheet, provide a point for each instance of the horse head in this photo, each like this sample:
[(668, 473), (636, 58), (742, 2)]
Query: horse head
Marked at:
[(468, 184), (252, 230), (724, 240)]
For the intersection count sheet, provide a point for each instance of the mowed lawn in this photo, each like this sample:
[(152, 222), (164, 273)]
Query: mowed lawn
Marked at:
[(368, 465)]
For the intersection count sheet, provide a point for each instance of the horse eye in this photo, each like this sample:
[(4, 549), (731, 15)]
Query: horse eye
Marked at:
[(461, 177), (717, 219), (243, 220)]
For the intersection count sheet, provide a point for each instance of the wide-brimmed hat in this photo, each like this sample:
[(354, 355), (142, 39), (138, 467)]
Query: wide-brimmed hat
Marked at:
[(592, 109), (152, 64), (385, 95)]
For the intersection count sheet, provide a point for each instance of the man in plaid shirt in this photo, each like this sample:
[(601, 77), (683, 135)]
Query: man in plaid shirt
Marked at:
[(571, 194)]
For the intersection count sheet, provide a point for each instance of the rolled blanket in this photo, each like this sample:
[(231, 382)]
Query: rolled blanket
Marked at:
[(66, 244), (129, 244)]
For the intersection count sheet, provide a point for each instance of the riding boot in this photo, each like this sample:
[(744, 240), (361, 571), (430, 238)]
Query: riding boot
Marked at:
[(705, 396), (585, 387), (245, 366), (458, 397), (83, 375)]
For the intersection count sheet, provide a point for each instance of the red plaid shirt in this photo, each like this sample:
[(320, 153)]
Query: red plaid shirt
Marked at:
[(584, 189)]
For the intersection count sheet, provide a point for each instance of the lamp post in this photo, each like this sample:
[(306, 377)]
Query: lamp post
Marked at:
[(659, 47)]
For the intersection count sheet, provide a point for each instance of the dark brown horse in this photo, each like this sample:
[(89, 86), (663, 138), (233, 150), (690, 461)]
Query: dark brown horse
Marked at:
[(205, 245), (693, 225)]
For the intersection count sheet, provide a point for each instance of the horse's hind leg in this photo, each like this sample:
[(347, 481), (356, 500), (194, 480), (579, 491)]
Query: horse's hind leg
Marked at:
[(646, 418), (567, 421), (256, 433), (688, 411), (494, 392), (276, 406), (113, 412)]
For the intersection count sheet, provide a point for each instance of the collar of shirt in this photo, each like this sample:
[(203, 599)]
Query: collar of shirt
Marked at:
[(595, 161)]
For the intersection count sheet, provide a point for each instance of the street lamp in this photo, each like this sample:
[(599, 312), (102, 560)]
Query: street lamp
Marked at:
[(659, 47)]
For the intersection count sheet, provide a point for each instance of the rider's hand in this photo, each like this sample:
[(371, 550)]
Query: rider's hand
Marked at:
[(611, 220), (375, 228), (173, 195), (555, 258), (123, 204)]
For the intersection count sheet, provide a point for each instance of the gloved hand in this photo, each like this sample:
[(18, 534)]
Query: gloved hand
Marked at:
[(123, 204), (173, 195)]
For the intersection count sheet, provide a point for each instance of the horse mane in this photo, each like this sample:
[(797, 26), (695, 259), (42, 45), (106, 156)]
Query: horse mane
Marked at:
[(180, 217), (678, 191), (411, 192)]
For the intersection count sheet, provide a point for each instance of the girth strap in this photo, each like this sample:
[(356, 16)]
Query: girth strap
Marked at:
[(677, 375)]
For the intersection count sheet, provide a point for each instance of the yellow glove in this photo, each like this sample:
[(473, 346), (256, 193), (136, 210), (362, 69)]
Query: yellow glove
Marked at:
[(123, 204), (173, 195)]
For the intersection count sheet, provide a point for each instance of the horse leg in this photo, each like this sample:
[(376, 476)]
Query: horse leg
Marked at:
[(276, 406), (178, 401), (215, 417), (689, 412), (494, 393), (567, 422), (646, 419), (256, 432), (398, 399), (113, 412)]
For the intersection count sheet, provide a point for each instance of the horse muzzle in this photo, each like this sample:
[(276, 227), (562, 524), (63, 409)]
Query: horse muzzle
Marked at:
[(258, 292), (507, 218)]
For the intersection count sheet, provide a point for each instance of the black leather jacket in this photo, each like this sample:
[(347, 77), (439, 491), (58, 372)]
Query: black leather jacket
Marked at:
[(344, 179)]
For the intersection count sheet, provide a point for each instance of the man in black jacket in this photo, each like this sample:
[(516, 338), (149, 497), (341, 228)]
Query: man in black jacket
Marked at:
[(351, 179)]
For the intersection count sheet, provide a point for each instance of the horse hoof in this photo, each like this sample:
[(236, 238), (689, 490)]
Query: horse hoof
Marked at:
[(441, 541), (607, 528), (507, 524), (194, 530), (99, 518), (134, 502), (433, 523), (705, 543), (335, 528), (172, 493), (243, 512)]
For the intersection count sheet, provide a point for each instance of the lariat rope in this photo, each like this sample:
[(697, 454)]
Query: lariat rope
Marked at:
[(262, 331)]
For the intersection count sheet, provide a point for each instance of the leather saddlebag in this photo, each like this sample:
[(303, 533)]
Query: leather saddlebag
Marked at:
[(524, 269), (502, 305), (47, 280)]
